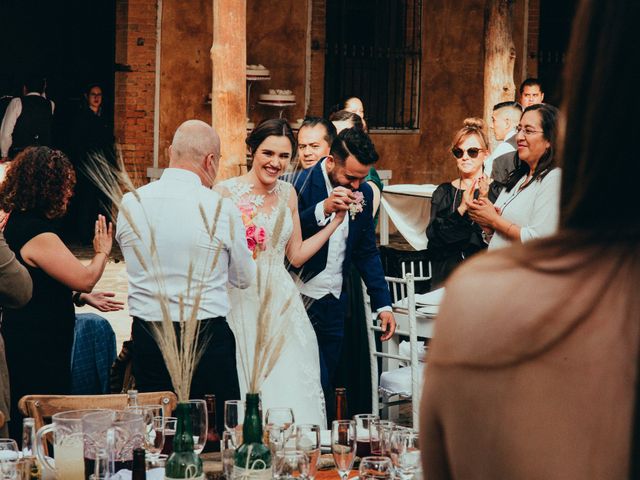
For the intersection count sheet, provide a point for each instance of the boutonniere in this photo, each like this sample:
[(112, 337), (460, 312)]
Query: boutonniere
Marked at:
[(357, 206)]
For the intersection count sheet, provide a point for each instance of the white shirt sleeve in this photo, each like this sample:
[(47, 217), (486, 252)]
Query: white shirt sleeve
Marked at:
[(545, 214), (242, 268), (14, 109), (320, 218)]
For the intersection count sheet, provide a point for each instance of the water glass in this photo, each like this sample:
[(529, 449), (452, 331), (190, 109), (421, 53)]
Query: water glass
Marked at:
[(308, 441), (234, 417), (170, 424), (405, 453), (363, 425), (290, 464), (227, 452), (343, 446), (199, 424), (375, 468), (9, 457), (380, 437)]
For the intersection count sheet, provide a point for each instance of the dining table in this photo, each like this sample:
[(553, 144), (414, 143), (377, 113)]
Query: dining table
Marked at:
[(408, 207)]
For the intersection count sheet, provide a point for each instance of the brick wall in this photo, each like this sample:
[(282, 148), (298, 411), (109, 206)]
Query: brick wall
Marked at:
[(318, 40), (134, 89), (533, 37)]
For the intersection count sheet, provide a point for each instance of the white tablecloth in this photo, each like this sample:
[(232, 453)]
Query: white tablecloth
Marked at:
[(408, 207)]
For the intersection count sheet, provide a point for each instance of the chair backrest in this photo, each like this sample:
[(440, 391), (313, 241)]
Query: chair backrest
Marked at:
[(42, 407), (408, 309)]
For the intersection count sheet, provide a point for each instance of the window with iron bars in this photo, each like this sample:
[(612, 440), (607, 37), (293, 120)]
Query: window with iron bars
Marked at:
[(373, 52)]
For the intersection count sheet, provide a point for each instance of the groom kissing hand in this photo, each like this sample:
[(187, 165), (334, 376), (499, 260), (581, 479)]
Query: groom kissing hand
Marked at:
[(337, 183)]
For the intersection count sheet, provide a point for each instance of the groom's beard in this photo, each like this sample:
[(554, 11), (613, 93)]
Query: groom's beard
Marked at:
[(334, 181)]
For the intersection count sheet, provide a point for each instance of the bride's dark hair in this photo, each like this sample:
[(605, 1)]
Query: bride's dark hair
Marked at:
[(274, 127)]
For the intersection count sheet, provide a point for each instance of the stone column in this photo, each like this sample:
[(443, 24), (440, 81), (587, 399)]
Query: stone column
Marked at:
[(228, 97)]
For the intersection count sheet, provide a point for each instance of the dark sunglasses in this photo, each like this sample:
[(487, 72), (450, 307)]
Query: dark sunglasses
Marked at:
[(472, 152)]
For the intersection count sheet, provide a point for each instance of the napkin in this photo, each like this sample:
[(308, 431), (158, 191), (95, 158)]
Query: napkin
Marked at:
[(153, 474)]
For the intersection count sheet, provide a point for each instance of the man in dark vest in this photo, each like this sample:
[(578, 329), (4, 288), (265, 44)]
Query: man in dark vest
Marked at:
[(27, 121)]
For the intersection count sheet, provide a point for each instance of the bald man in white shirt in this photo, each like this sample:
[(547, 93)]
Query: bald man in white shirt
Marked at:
[(174, 209)]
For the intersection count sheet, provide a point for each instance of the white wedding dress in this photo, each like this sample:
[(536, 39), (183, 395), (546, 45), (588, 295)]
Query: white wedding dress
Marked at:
[(294, 380)]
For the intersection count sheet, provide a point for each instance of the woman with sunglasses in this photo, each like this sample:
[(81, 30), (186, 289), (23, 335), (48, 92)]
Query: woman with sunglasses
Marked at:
[(452, 235), (529, 206)]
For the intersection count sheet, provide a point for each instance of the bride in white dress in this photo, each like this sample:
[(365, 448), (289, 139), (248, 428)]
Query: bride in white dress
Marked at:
[(294, 379)]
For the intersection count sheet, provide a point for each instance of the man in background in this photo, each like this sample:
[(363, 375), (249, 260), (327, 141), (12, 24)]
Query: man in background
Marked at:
[(505, 119)]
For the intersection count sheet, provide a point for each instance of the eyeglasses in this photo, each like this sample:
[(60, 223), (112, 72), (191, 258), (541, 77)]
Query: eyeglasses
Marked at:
[(472, 152), (527, 130)]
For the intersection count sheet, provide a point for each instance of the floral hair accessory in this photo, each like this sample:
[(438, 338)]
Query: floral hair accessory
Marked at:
[(357, 206)]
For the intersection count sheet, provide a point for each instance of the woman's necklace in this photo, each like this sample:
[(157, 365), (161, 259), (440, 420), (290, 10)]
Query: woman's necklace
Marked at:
[(455, 194)]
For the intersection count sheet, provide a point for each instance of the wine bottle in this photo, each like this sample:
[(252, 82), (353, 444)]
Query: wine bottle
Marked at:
[(213, 439), (139, 465), (341, 404), (183, 462), (252, 459)]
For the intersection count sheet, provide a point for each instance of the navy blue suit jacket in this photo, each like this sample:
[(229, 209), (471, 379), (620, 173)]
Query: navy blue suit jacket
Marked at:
[(361, 242)]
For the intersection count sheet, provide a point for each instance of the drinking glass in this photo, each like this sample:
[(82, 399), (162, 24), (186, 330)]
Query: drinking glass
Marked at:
[(153, 418), (290, 464), (170, 424), (308, 441), (227, 452), (234, 419), (405, 453), (199, 424), (279, 427), (375, 468), (343, 445), (379, 433), (363, 423), (8, 459)]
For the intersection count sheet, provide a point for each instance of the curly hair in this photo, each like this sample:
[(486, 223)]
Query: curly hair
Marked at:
[(38, 180)]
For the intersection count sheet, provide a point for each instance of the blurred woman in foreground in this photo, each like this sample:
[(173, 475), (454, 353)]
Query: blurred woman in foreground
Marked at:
[(534, 366)]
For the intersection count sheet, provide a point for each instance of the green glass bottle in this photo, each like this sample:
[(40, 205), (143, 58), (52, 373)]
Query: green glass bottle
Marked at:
[(183, 462), (253, 454)]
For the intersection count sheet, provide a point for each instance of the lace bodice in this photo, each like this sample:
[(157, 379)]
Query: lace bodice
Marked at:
[(267, 212)]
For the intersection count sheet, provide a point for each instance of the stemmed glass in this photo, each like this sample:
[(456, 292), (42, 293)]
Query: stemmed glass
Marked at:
[(375, 468), (199, 424), (308, 441), (9, 459), (379, 435), (153, 419), (279, 427), (405, 453), (343, 445), (234, 419)]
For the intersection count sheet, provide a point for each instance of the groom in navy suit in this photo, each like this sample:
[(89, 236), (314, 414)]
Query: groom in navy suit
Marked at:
[(323, 190)]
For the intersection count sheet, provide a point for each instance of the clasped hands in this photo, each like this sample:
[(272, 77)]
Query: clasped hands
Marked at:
[(480, 210), (338, 202)]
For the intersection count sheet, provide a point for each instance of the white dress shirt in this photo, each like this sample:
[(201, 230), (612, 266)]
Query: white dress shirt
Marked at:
[(172, 209), (329, 281), (535, 209), (501, 149), (14, 109)]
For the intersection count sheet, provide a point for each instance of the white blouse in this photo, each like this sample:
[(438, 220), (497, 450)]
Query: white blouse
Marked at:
[(535, 209)]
